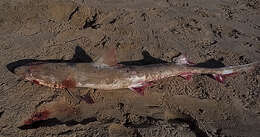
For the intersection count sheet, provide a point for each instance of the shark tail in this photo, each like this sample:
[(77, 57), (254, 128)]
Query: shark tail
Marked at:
[(225, 72), (220, 74)]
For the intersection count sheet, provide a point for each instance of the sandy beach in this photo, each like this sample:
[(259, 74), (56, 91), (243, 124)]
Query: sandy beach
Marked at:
[(212, 33)]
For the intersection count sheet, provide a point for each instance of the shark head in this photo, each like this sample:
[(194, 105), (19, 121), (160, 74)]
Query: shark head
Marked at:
[(39, 73), (29, 71)]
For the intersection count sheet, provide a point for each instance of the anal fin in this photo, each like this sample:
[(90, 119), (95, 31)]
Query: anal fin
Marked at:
[(140, 88)]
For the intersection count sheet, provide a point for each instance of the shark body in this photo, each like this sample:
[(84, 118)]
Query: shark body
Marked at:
[(106, 74)]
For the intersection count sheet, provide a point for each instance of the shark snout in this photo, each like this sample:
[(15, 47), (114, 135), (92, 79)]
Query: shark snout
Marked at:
[(22, 71)]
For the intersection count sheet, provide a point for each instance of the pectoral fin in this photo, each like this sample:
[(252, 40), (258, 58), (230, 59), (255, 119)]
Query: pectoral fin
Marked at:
[(139, 90), (87, 98), (75, 97)]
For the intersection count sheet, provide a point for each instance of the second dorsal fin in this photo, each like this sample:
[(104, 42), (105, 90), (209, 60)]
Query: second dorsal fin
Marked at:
[(108, 58)]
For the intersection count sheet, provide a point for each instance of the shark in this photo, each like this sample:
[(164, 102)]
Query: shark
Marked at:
[(107, 74)]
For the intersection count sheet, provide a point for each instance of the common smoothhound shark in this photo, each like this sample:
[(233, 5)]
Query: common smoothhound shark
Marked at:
[(106, 74)]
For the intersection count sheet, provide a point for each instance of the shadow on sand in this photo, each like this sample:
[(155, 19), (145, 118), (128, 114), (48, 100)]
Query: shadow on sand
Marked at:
[(80, 56), (54, 122)]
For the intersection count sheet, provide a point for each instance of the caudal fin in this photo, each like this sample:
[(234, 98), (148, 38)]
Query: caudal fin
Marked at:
[(233, 70), (220, 74)]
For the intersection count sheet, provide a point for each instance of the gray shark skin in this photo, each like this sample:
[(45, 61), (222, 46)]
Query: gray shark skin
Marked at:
[(106, 74)]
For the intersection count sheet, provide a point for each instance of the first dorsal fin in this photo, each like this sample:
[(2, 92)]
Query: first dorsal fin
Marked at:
[(108, 58), (183, 60)]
